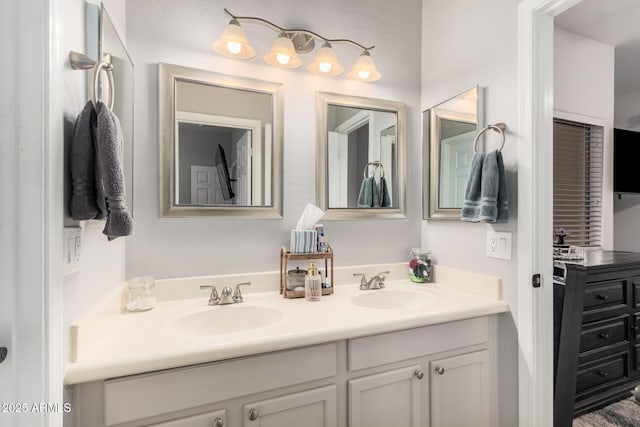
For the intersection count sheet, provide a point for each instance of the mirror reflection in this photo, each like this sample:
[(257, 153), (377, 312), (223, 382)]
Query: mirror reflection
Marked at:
[(450, 130), (360, 157), (221, 147)]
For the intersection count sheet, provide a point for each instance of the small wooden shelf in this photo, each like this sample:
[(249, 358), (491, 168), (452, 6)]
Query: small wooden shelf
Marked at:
[(285, 256)]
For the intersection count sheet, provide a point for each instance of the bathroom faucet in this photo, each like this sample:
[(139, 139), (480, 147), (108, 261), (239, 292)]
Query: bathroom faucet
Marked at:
[(376, 282), (227, 295)]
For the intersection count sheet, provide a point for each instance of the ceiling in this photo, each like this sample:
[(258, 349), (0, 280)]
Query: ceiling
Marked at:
[(612, 22)]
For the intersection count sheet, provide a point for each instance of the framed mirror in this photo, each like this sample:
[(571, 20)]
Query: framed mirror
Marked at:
[(220, 145), (360, 157), (449, 130)]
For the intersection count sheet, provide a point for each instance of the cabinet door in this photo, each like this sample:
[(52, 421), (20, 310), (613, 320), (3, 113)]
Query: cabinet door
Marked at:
[(387, 399), (210, 419), (312, 408), (460, 390)]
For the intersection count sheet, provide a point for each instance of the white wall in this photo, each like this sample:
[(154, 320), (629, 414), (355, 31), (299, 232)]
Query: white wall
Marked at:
[(626, 233), (181, 33), (466, 44), (584, 85)]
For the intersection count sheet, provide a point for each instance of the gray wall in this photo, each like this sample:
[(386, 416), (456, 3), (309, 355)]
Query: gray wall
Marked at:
[(181, 33)]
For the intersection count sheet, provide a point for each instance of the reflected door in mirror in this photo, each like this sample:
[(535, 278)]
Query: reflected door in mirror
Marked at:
[(456, 153)]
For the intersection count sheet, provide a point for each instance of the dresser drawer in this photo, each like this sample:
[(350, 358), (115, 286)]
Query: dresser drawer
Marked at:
[(603, 295), (601, 334), (601, 373)]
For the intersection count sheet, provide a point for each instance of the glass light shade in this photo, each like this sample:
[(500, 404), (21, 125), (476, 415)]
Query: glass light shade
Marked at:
[(233, 42), (326, 62), (364, 69), (283, 54)]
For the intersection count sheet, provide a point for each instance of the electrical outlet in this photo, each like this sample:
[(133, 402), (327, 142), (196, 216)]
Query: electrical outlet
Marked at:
[(498, 245), (71, 250)]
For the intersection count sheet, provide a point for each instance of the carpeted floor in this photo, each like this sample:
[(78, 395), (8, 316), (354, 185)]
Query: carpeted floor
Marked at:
[(625, 413)]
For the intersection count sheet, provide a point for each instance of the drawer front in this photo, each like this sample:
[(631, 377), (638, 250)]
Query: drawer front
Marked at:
[(392, 347), (604, 295), (602, 334), (602, 373), (183, 388)]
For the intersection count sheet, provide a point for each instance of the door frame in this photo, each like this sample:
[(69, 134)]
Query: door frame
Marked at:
[(535, 214), (35, 162)]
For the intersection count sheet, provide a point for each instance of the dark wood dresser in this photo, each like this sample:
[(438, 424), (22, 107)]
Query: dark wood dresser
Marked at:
[(596, 332)]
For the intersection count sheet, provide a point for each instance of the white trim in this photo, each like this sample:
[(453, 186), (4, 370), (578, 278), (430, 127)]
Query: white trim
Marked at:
[(535, 215), (580, 118)]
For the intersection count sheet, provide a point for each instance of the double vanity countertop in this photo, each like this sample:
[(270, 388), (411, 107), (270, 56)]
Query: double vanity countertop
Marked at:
[(183, 329)]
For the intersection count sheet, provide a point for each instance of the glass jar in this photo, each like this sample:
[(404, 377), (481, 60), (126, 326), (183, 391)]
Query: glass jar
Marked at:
[(420, 268), (141, 294)]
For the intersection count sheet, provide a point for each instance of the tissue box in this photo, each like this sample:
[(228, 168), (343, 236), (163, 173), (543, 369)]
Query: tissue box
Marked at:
[(303, 241)]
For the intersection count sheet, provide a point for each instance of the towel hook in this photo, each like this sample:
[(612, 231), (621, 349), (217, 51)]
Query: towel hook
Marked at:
[(96, 78), (498, 127), (377, 164)]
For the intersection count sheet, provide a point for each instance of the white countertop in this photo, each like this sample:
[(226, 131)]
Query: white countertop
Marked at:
[(108, 342)]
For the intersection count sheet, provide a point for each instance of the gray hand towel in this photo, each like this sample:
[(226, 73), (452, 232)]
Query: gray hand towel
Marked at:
[(365, 197), (87, 198), (109, 155), (471, 206), (503, 192), (490, 203), (381, 194)]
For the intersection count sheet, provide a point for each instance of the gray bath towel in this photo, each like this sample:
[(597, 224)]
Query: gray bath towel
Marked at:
[(87, 197), (109, 155), (365, 197), (486, 197)]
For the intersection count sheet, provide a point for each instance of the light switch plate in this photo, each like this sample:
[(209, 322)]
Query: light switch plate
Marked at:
[(499, 244), (72, 249)]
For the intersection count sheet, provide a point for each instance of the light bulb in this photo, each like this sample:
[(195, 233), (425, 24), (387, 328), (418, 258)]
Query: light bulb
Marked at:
[(234, 47), (325, 67), (364, 74), (283, 58)]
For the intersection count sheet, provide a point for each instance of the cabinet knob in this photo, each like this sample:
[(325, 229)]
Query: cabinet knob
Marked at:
[(604, 335), (439, 370), (3, 353), (253, 414), (419, 374), (602, 297), (218, 422), (603, 373)]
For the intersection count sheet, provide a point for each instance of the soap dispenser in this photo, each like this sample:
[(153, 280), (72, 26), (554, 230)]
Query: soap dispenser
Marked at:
[(312, 284)]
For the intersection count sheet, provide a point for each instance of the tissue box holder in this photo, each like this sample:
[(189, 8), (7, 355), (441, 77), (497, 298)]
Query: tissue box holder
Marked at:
[(304, 241)]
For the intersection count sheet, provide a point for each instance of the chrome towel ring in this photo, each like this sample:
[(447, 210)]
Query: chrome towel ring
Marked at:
[(498, 127), (376, 164), (96, 79), (80, 61)]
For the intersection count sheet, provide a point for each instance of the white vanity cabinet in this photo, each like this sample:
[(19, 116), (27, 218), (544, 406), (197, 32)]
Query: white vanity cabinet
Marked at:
[(313, 408), (391, 398), (460, 391), (390, 379)]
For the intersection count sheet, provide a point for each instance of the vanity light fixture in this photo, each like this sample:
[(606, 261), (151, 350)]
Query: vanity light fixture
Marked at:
[(233, 42), (291, 42)]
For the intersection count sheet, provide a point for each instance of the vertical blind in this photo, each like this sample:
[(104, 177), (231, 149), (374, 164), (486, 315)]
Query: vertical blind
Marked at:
[(577, 181)]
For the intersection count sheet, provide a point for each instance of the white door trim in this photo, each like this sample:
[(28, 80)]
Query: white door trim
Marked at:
[(35, 62), (535, 214)]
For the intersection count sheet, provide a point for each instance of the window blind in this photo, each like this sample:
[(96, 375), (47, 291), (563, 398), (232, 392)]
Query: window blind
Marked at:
[(577, 181)]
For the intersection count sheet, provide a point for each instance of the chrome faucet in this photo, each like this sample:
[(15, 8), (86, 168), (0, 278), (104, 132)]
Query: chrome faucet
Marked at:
[(376, 282), (227, 295)]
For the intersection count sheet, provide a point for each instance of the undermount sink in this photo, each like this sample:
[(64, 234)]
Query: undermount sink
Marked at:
[(389, 300), (227, 319)]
